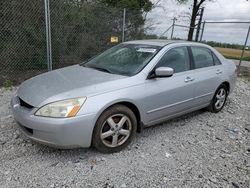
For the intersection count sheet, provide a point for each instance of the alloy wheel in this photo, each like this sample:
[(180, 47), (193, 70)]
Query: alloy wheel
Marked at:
[(220, 98), (116, 130)]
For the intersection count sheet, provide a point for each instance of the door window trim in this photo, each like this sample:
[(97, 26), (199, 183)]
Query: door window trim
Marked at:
[(189, 59), (211, 52)]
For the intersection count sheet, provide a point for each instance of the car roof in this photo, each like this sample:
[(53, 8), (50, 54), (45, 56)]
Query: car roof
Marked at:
[(159, 42)]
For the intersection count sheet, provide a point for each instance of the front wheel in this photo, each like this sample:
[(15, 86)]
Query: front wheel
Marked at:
[(219, 99), (114, 129)]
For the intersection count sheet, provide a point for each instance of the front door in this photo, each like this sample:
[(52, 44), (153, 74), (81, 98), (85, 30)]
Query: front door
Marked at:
[(167, 96)]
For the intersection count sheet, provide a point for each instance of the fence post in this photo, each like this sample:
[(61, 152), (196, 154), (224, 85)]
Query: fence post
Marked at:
[(172, 33), (48, 34), (243, 50), (123, 24), (202, 31)]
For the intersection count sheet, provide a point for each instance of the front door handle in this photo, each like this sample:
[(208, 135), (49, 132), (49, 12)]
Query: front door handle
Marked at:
[(218, 71), (188, 79)]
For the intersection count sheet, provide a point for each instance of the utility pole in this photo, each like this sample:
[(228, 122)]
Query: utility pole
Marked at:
[(199, 25), (172, 33)]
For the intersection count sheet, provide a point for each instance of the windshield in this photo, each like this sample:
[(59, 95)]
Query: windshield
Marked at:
[(124, 59)]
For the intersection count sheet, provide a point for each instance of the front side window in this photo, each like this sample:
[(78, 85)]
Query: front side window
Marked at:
[(202, 57), (124, 59), (177, 59)]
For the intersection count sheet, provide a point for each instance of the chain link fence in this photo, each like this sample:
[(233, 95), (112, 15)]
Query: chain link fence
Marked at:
[(230, 38), (79, 31), (23, 48)]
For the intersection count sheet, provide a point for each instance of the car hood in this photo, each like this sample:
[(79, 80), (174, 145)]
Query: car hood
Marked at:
[(69, 82)]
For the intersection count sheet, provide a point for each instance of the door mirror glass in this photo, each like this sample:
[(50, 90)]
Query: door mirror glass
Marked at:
[(164, 72)]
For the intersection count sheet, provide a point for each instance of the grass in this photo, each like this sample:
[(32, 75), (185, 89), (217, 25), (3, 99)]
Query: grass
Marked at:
[(234, 53), (8, 84)]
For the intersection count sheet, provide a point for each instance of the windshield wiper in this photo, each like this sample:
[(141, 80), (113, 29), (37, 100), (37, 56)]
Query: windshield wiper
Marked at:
[(100, 69)]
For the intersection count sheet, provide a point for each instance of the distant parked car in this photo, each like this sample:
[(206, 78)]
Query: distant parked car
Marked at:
[(104, 101)]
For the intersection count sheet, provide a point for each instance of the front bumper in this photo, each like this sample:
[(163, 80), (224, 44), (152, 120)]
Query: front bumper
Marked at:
[(58, 132)]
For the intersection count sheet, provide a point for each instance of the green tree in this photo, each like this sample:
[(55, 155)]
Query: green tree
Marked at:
[(80, 29), (134, 17), (142, 5)]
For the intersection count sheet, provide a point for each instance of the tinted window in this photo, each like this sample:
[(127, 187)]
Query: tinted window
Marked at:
[(202, 57), (216, 60), (177, 59)]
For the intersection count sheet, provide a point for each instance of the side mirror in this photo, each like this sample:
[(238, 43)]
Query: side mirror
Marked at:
[(164, 72)]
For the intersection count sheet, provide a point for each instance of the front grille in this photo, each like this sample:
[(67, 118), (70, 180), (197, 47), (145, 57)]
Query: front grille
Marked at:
[(24, 104)]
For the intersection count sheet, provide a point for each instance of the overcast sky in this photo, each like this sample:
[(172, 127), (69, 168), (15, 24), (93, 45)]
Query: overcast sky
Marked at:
[(218, 10)]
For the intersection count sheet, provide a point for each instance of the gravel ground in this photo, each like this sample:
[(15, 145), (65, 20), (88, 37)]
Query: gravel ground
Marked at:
[(197, 150)]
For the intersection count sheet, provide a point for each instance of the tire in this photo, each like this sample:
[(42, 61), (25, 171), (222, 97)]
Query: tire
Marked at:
[(217, 102), (114, 129)]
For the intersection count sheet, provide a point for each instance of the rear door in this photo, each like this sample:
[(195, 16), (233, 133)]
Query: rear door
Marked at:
[(207, 74)]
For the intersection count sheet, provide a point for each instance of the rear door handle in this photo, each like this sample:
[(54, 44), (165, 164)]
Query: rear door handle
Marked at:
[(218, 71), (188, 79)]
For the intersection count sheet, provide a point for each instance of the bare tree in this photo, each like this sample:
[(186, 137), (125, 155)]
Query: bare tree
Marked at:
[(195, 12)]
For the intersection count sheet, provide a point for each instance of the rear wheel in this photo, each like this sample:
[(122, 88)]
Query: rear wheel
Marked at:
[(219, 99), (114, 129)]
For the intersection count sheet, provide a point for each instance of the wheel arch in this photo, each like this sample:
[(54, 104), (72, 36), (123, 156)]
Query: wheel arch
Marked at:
[(227, 84), (129, 104), (135, 110)]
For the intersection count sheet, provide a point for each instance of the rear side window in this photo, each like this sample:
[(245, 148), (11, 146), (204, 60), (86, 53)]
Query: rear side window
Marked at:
[(177, 59), (202, 57)]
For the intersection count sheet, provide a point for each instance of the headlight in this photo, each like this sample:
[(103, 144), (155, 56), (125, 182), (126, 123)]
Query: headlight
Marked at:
[(61, 109)]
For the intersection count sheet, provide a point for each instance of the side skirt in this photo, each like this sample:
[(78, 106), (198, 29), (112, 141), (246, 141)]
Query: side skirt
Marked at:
[(174, 115)]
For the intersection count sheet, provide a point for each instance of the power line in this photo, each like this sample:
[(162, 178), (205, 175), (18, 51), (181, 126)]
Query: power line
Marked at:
[(227, 22)]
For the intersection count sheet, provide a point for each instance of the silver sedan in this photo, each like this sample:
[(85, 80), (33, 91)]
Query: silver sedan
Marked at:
[(106, 100)]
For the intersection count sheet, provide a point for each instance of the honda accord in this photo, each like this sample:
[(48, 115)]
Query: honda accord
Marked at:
[(104, 101)]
